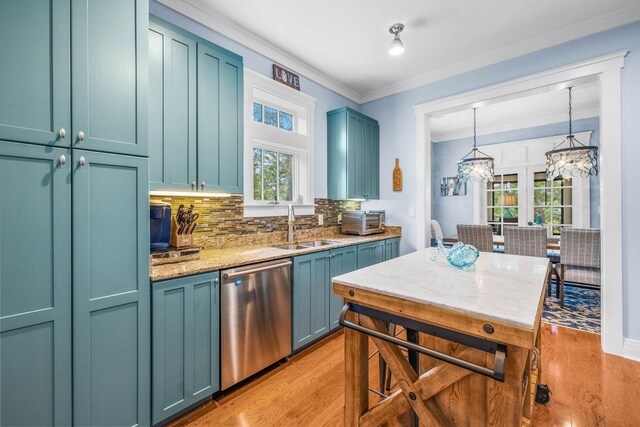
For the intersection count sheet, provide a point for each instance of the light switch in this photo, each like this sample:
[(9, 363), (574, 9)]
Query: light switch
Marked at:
[(412, 212)]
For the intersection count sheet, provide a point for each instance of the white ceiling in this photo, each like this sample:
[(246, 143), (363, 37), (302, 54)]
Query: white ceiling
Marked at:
[(343, 44), (520, 113)]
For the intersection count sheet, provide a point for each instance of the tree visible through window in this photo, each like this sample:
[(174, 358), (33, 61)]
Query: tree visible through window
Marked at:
[(502, 202), (272, 176), (553, 201), (272, 117)]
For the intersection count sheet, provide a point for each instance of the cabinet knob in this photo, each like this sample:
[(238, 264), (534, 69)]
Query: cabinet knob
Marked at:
[(82, 161), (202, 185), (62, 159), (62, 133), (216, 281), (193, 185), (80, 136)]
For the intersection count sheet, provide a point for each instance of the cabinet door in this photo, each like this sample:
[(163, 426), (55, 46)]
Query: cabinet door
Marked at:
[(370, 253), (172, 110), (111, 307), (355, 155), (311, 278), (109, 68), (374, 163), (220, 140), (34, 76), (185, 336), (391, 248), (35, 284), (343, 260)]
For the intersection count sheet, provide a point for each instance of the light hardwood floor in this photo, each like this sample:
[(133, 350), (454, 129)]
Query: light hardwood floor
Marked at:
[(588, 388)]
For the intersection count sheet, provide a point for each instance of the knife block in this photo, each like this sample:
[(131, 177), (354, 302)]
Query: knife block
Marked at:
[(179, 240)]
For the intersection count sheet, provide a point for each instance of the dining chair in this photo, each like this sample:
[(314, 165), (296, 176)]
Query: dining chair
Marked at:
[(529, 241), (579, 258), (480, 236), (436, 230)]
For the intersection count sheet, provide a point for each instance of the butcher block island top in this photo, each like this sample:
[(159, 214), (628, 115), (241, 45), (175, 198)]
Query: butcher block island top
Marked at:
[(472, 337)]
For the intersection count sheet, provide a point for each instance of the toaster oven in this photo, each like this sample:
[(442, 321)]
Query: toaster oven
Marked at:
[(362, 223)]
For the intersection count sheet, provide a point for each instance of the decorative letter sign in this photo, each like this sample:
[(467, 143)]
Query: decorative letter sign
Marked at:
[(286, 77)]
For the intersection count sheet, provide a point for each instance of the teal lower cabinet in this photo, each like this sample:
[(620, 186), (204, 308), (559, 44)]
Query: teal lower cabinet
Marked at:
[(185, 336), (311, 278), (343, 260), (391, 248), (111, 303), (35, 285), (370, 253)]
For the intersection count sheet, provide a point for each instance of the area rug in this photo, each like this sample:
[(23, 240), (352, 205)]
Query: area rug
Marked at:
[(581, 309)]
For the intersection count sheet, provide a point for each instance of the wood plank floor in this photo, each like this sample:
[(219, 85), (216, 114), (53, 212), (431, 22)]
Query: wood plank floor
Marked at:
[(589, 388)]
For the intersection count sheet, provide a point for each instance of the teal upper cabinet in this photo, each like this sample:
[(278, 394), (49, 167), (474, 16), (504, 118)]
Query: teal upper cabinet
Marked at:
[(311, 278), (109, 75), (111, 305), (34, 77), (353, 141), (35, 285), (195, 112), (220, 141), (185, 336), (343, 261), (172, 109), (93, 49)]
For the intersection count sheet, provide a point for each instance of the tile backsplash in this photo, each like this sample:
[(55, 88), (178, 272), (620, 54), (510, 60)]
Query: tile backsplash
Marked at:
[(221, 222)]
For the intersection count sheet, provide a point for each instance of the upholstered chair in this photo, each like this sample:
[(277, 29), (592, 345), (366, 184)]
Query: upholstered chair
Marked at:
[(579, 258), (480, 236)]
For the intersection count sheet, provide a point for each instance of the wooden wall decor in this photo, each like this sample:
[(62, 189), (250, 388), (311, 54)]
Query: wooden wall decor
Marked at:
[(397, 177), (286, 77)]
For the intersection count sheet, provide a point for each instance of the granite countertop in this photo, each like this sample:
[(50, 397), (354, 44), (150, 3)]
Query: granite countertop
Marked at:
[(217, 259), (503, 288)]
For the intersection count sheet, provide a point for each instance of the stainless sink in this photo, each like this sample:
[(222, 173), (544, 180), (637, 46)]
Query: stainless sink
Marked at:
[(318, 244), (292, 247)]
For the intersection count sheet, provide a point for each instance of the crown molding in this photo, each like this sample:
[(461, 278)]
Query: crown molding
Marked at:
[(208, 17), (549, 39), (198, 12)]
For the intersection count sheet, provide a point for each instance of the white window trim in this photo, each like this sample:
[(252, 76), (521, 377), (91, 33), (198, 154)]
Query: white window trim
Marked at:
[(523, 158), (300, 142)]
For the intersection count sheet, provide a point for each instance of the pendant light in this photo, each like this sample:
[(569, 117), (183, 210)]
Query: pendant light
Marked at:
[(576, 159), (396, 48), (475, 165)]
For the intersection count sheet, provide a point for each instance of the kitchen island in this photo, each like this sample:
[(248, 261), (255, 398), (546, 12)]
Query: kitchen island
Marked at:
[(477, 334)]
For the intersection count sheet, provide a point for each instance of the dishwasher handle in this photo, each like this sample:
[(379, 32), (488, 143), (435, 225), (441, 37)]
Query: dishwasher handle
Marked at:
[(235, 274)]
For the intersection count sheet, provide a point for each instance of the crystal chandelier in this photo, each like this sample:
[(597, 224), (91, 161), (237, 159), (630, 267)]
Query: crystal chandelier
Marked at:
[(475, 165), (576, 159)]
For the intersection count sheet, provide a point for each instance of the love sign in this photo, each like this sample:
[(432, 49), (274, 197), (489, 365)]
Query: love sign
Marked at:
[(286, 77)]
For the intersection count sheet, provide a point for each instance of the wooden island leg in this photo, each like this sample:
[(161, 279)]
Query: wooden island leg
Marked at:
[(505, 399), (356, 373)]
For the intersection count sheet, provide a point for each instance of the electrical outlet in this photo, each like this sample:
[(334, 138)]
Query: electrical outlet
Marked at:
[(320, 219)]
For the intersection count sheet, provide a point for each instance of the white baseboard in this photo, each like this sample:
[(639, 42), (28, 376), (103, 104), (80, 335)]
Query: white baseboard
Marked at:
[(631, 349)]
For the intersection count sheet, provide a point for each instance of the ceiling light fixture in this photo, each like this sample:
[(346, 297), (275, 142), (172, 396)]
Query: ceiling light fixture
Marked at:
[(575, 160), (396, 47), (472, 166)]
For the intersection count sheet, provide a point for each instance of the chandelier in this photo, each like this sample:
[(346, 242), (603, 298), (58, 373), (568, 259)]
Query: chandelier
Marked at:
[(575, 159), (475, 165)]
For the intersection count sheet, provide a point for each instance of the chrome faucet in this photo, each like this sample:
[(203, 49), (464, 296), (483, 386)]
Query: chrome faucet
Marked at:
[(291, 222)]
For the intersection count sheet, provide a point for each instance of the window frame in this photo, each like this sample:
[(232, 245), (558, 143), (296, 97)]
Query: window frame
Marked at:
[(298, 142)]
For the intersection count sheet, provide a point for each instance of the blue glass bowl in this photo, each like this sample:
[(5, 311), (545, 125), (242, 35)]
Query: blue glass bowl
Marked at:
[(463, 256)]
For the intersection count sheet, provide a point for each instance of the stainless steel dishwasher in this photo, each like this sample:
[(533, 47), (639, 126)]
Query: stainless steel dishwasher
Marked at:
[(255, 318)]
